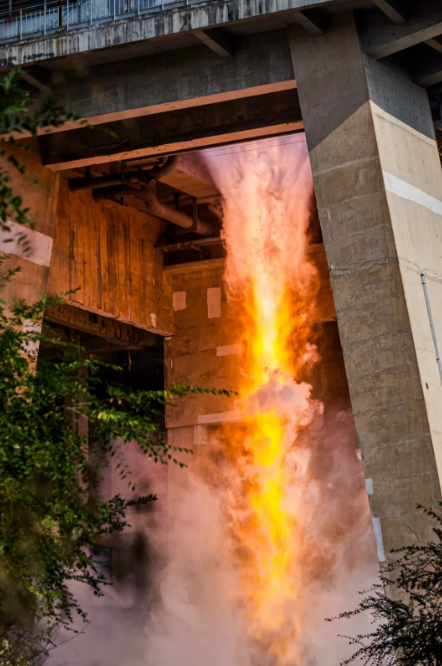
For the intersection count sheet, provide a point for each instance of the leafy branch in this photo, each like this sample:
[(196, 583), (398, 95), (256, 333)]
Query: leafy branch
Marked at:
[(405, 609)]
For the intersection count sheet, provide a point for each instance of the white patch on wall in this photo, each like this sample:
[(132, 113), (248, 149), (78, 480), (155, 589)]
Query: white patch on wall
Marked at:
[(378, 539), (179, 300), (223, 417), (369, 486), (214, 302), (200, 434), (228, 350), (40, 245), (153, 319), (32, 347)]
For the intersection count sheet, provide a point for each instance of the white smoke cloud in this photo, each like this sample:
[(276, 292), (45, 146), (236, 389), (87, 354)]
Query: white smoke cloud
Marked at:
[(195, 612), (194, 615), (199, 619)]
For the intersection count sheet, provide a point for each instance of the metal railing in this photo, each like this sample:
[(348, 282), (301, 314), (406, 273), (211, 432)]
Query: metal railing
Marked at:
[(49, 18)]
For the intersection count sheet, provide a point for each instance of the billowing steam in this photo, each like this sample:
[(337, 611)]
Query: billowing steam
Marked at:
[(273, 509), (270, 533)]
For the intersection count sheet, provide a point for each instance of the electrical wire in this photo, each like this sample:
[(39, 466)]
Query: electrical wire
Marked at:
[(242, 149), (236, 148)]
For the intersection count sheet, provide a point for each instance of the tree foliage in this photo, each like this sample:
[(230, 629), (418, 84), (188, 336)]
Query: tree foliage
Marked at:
[(60, 425), (16, 121), (405, 608)]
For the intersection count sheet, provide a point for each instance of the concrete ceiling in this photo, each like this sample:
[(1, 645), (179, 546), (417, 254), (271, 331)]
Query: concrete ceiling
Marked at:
[(388, 28), (169, 62)]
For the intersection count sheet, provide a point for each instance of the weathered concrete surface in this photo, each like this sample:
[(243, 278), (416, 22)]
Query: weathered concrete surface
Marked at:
[(107, 251), (372, 152), (162, 133), (204, 348), (190, 356), (382, 38), (177, 80), (153, 26), (38, 187)]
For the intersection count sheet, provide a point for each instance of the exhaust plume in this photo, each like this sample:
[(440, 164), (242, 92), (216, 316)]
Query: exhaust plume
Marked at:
[(268, 532)]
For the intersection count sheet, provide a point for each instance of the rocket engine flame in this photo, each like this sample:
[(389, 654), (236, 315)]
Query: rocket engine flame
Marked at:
[(268, 531), (267, 210)]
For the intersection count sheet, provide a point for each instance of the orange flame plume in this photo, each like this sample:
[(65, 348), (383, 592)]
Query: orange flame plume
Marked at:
[(268, 192)]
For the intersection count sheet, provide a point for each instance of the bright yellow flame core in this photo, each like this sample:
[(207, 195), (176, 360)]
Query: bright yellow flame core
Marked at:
[(268, 271), (270, 581)]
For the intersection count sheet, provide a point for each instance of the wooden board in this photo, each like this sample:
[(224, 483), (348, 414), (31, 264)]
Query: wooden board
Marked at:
[(106, 253)]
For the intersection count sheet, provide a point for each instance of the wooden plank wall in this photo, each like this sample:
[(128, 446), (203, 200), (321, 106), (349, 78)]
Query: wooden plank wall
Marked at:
[(38, 188), (107, 251)]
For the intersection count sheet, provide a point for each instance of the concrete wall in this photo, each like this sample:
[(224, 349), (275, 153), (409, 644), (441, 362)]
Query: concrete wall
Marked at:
[(38, 188), (412, 177), (176, 80), (106, 251), (204, 350), (378, 185), (204, 328)]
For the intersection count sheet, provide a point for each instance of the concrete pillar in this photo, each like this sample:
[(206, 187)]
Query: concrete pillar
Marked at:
[(378, 185), (38, 188)]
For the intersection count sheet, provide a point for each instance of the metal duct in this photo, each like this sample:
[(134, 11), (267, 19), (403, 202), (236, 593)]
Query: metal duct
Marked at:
[(153, 207), (125, 177), (168, 166), (185, 245), (90, 183)]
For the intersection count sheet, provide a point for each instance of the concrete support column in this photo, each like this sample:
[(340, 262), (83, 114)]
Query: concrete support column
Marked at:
[(378, 185), (38, 188)]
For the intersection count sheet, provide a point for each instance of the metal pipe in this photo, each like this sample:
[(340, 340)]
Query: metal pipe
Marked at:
[(433, 329), (153, 207), (201, 242), (78, 184), (213, 211), (139, 175), (113, 193), (162, 170)]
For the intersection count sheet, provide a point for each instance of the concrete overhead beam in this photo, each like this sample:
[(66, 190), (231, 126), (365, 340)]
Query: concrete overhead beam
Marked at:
[(153, 26), (177, 131), (435, 44), (429, 71), (38, 78), (218, 41), (396, 10), (178, 80), (381, 39), (312, 20)]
